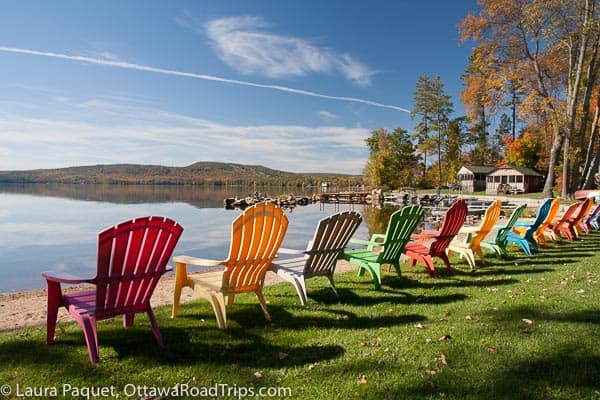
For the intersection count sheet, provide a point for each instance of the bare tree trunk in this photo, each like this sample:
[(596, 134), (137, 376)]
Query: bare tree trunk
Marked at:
[(575, 71), (591, 160), (554, 151)]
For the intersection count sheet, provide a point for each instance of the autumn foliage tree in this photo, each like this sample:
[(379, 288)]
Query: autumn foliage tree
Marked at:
[(392, 159), (546, 53)]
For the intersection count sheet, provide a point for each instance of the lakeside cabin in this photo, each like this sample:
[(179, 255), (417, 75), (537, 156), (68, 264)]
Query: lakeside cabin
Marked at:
[(472, 178), (513, 179)]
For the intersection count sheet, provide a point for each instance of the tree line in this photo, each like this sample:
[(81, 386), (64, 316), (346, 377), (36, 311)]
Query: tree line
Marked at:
[(533, 70)]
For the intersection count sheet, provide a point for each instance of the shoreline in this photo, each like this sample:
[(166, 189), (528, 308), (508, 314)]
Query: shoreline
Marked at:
[(27, 309)]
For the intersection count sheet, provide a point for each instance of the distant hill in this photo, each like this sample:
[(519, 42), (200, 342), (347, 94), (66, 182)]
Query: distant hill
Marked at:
[(200, 173)]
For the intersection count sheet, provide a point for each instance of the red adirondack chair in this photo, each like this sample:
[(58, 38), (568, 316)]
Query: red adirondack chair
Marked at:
[(418, 250), (132, 256)]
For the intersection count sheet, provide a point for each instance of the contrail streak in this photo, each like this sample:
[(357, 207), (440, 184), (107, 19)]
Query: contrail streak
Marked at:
[(140, 67)]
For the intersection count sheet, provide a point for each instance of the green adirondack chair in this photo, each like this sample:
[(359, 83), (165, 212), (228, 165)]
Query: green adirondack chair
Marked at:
[(401, 225), (498, 245)]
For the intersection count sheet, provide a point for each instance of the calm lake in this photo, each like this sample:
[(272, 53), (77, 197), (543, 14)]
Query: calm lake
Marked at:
[(55, 227)]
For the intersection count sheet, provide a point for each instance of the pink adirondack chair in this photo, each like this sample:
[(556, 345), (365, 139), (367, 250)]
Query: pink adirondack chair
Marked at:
[(454, 218), (132, 256)]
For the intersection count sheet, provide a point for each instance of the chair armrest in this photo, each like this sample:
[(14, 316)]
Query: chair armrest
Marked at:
[(523, 224), (425, 235), (196, 261), (284, 250), (469, 229), (63, 277), (376, 236), (360, 241)]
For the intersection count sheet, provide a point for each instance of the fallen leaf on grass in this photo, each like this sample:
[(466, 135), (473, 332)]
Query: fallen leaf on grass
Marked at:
[(258, 374), (420, 326), (312, 366), (527, 321), (445, 337), (362, 380), (443, 359), (492, 350), (282, 355)]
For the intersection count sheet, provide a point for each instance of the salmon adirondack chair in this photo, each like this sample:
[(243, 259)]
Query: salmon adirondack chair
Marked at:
[(401, 225), (474, 235), (438, 240), (321, 254), (525, 238), (256, 236), (575, 223), (561, 224), (132, 256), (498, 244)]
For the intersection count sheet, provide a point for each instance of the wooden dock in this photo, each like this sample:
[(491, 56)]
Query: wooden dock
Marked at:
[(345, 197)]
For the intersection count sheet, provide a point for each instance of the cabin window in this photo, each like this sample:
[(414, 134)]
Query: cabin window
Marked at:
[(519, 179), (511, 179), (504, 179), (490, 179), (496, 179)]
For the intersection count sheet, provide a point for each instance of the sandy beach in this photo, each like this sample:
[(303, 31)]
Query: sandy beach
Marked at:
[(28, 308)]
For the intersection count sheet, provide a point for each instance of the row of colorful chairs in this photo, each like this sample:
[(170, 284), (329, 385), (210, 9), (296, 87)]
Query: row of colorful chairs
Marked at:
[(133, 255)]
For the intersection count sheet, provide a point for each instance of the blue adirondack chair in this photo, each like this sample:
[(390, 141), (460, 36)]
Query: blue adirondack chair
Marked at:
[(527, 240)]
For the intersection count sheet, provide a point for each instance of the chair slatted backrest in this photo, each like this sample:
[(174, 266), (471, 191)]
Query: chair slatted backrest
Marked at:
[(132, 256), (256, 235), (540, 217), (454, 218), (506, 229), (492, 213), (401, 225), (569, 214), (554, 207), (582, 212), (330, 239)]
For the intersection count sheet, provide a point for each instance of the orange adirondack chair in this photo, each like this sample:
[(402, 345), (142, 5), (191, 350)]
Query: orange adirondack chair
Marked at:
[(132, 256), (475, 235), (454, 218), (256, 236)]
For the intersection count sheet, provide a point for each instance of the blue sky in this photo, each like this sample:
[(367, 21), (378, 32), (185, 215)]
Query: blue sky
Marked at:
[(291, 85)]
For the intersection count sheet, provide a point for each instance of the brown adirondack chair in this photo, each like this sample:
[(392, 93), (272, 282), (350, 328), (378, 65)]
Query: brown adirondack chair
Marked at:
[(320, 257), (132, 256), (439, 240), (256, 235)]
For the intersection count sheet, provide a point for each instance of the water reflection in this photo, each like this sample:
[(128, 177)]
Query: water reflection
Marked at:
[(55, 227)]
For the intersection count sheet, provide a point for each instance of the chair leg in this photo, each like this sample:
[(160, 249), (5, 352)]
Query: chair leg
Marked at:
[(263, 303), (155, 328), (332, 285), (53, 303), (128, 319), (180, 281), (217, 300), (444, 258), (88, 324)]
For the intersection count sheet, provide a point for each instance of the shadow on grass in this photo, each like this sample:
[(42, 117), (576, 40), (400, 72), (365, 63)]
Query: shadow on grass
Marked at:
[(185, 344)]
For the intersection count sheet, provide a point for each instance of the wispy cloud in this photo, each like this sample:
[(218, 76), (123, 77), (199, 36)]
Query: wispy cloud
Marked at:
[(328, 115), (140, 67), (243, 44), (158, 137)]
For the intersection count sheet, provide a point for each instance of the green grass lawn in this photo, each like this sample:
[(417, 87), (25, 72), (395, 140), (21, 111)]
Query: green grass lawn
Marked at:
[(524, 328)]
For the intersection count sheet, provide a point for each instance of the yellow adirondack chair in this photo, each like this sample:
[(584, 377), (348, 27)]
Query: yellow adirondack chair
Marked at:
[(474, 235), (256, 236)]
